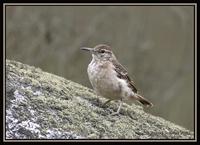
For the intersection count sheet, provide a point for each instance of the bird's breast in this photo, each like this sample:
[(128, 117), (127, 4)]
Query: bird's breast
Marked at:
[(104, 79)]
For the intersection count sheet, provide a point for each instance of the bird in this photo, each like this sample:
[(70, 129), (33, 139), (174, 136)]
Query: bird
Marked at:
[(110, 79)]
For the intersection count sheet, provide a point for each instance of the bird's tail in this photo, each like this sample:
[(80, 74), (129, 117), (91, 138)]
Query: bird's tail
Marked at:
[(143, 101)]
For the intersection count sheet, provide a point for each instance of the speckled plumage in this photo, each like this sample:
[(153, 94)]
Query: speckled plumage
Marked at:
[(109, 78), (105, 82)]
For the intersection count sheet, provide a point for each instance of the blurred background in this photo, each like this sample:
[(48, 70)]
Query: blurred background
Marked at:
[(154, 43)]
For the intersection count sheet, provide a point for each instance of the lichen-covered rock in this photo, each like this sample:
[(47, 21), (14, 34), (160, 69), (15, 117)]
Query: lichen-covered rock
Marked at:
[(40, 105)]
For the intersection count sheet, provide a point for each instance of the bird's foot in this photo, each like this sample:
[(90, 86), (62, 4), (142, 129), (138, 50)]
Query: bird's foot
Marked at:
[(104, 104), (118, 110)]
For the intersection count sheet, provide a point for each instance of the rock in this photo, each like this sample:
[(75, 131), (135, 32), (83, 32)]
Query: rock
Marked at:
[(40, 105)]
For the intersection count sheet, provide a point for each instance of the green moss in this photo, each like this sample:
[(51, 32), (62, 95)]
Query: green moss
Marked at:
[(61, 104)]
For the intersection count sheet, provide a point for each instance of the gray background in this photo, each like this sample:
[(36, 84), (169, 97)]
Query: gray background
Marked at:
[(154, 43)]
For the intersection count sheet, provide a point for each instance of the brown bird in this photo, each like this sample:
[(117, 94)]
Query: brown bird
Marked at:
[(110, 79)]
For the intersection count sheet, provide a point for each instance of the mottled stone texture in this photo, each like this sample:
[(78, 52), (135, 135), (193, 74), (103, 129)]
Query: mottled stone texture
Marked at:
[(40, 105)]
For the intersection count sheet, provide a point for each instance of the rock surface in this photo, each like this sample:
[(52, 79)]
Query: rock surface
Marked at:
[(40, 105)]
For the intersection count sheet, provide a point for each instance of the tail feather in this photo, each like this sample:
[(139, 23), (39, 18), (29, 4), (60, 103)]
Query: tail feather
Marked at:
[(144, 101)]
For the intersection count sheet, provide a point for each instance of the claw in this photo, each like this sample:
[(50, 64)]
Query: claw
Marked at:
[(104, 104), (118, 110)]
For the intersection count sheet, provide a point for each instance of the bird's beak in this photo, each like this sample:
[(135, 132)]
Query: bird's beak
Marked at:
[(87, 49)]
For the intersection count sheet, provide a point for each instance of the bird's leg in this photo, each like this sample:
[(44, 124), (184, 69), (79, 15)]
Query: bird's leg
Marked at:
[(118, 110), (106, 103)]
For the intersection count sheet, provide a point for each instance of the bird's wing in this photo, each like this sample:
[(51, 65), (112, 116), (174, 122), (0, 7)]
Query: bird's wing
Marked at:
[(123, 74)]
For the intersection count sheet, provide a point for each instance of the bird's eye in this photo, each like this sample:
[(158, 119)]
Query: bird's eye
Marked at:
[(102, 51)]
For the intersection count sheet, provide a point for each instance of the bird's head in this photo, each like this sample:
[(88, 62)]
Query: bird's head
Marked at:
[(100, 52)]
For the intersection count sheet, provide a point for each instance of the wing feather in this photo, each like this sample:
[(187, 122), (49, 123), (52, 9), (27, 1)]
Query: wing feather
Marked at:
[(123, 74)]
